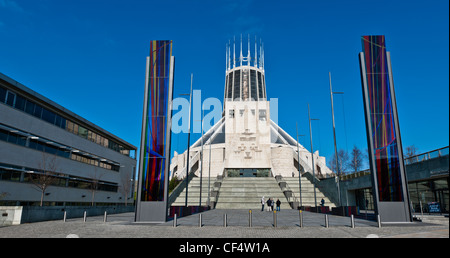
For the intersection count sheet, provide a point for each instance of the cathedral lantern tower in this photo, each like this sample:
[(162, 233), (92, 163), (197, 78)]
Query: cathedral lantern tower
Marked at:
[(246, 112), (244, 80)]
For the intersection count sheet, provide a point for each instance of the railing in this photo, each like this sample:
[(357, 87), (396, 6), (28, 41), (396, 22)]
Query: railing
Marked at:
[(180, 187), (410, 160), (427, 155), (292, 199)]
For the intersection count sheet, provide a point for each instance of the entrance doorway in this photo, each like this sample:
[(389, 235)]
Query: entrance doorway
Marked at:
[(248, 172)]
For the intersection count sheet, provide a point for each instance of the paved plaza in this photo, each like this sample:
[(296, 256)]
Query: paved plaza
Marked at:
[(288, 226)]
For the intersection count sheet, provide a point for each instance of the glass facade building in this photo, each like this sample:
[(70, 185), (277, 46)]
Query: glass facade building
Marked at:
[(38, 136)]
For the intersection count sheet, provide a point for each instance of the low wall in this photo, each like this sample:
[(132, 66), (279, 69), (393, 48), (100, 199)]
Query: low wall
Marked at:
[(28, 214), (10, 215), (183, 211)]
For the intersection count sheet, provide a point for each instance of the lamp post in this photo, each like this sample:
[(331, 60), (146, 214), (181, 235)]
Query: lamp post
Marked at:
[(201, 161), (188, 143), (209, 173), (335, 146), (299, 172), (312, 157)]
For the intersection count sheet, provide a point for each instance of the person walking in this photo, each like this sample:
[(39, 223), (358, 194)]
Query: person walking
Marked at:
[(271, 204), (262, 203), (278, 204)]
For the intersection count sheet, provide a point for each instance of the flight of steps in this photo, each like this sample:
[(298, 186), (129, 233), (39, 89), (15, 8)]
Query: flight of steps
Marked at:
[(246, 193), (307, 192), (194, 192)]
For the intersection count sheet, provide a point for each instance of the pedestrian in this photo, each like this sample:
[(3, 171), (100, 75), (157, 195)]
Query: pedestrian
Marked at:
[(262, 203), (278, 204), (322, 202), (271, 204), (268, 204)]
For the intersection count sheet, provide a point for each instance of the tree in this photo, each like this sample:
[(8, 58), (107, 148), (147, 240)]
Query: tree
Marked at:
[(46, 176), (410, 151), (95, 179), (126, 185), (343, 161), (356, 159), (173, 183)]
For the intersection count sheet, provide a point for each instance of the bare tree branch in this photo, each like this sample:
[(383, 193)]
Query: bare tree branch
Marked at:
[(46, 176)]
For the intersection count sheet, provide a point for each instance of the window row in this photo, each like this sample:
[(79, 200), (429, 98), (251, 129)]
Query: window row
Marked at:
[(244, 85), (30, 175), (262, 113), (47, 146), (17, 101)]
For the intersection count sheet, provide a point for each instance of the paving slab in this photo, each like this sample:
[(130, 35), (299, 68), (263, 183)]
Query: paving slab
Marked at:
[(123, 226)]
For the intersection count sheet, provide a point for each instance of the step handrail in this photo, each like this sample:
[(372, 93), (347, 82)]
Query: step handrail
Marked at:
[(288, 188)]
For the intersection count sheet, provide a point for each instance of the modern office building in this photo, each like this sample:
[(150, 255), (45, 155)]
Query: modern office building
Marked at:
[(42, 142)]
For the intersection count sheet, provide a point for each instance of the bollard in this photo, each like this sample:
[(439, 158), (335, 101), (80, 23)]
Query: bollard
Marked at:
[(105, 217), (200, 220), (225, 220), (379, 220), (250, 218), (65, 216), (421, 211), (175, 220), (301, 218), (326, 221), (84, 216), (275, 218), (352, 221)]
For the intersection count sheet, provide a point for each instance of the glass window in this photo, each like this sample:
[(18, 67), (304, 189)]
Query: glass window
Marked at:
[(9, 175), (69, 126), (262, 115), (237, 85), (63, 153), (260, 86), (58, 120), (100, 139), (48, 116), (125, 152), (10, 99), (12, 138), (21, 140), (75, 128), (83, 132), (3, 135), (230, 85), (253, 85), (34, 144), (37, 111), (29, 107), (113, 146), (93, 137), (20, 103), (231, 113), (63, 123), (2, 94)]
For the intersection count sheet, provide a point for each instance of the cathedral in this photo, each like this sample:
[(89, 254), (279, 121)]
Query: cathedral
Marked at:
[(246, 142)]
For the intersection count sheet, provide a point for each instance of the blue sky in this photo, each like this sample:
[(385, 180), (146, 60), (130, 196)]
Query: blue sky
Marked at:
[(89, 56)]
